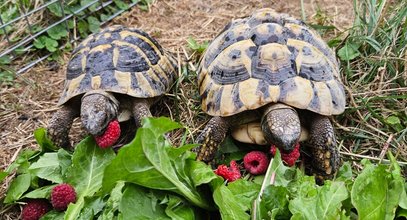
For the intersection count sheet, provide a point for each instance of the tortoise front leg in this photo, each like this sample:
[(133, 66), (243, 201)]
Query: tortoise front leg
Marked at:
[(211, 137), (59, 125), (140, 110), (322, 146)]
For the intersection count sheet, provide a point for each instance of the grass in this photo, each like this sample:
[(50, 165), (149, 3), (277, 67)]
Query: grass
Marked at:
[(373, 57)]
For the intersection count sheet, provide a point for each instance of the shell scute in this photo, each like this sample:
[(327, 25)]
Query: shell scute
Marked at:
[(269, 57), (121, 60)]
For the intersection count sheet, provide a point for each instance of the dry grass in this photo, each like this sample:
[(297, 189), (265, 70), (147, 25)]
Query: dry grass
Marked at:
[(30, 102)]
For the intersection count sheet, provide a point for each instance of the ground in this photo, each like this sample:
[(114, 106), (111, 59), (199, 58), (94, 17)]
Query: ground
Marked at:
[(29, 104)]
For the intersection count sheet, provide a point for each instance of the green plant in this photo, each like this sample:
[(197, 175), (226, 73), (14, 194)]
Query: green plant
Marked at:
[(150, 178)]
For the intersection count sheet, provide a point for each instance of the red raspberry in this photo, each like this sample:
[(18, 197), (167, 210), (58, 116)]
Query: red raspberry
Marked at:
[(230, 174), (290, 158), (110, 136), (35, 209), (62, 195), (256, 162)]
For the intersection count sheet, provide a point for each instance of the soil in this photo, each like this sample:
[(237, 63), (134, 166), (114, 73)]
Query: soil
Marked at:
[(31, 101)]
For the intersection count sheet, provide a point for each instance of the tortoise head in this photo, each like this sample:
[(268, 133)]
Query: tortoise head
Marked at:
[(281, 126), (97, 110)]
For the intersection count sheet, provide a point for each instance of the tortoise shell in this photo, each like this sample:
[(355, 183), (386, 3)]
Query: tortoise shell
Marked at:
[(121, 60), (269, 57)]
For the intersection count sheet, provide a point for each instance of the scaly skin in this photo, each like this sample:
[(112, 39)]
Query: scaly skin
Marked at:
[(141, 109), (324, 155), (59, 125)]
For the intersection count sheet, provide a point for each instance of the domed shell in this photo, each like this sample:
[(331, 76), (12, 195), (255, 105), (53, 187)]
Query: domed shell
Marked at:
[(121, 60), (269, 57)]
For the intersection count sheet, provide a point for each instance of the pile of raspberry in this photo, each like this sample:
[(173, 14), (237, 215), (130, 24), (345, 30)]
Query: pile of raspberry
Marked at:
[(256, 163), (61, 196)]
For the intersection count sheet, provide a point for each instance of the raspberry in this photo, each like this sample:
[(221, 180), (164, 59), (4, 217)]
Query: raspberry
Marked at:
[(35, 209), (110, 136), (230, 174), (289, 158), (62, 195), (256, 162)]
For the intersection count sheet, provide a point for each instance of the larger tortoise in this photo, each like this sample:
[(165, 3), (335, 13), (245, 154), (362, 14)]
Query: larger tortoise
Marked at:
[(272, 68), (116, 70)]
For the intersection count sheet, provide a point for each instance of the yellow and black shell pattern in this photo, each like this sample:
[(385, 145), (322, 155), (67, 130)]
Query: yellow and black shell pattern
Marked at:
[(120, 60), (265, 58)]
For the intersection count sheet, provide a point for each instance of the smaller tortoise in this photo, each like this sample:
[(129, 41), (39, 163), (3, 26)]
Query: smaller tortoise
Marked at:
[(116, 71), (272, 69)]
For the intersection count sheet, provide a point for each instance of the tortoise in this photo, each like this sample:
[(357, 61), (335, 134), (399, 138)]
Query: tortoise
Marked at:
[(272, 69), (116, 71)]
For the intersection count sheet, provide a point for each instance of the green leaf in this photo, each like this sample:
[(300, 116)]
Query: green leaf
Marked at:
[(200, 172), (228, 204), (22, 163), (314, 202), (375, 194), (349, 52), (94, 24), (138, 203), (55, 9), (86, 173), (39, 43), (58, 31), (120, 4), (51, 44), (40, 193), (393, 120), (53, 215), (47, 167), (244, 191), (275, 202), (5, 60), (196, 46), (65, 160), (145, 162), (177, 209), (283, 174), (40, 135), (92, 207), (113, 202), (17, 188), (3, 175), (74, 209)]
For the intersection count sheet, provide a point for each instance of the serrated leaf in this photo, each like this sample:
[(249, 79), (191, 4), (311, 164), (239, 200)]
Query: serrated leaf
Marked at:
[(375, 194), (47, 167), (23, 161), (314, 202), (138, 204), (200, 172), (17, 188), (229, 206), (74, 209)]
